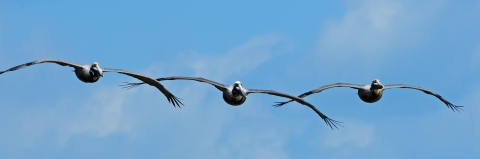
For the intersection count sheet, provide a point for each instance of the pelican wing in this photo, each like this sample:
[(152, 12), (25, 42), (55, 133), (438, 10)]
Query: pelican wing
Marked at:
[(151, 81), (330, 122), (60, 62), (219, 86), (450, 105), (319, 89)]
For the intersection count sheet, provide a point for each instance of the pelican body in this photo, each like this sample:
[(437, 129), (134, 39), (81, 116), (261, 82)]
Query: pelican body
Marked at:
[(236, 94), (85, 73), (89, 74), (371, 93), (233, 95), (92, 73)]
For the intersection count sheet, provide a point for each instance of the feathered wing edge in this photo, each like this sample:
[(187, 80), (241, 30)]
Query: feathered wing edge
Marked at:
[(449, 105), (319, 89), (60, 62), (217, 85), (151, 81), (330, 122)]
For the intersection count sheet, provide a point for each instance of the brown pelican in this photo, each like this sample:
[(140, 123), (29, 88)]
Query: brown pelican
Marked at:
[(91, 74), (236, 94), (371, 93)]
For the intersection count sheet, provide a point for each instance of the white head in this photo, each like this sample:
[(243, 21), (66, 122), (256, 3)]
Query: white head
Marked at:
[(96, 68), (376, 84), (238, 83), (238, 86)]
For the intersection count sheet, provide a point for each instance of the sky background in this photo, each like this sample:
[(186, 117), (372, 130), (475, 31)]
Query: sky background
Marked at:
[(292, 47)]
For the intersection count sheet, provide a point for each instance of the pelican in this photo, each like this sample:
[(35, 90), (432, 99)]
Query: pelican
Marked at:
[(236, 94), (92, 73), (371, 93)]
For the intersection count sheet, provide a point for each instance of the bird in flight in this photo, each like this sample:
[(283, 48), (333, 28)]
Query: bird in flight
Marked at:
[(236, 94), (371, 93), (92, 73)]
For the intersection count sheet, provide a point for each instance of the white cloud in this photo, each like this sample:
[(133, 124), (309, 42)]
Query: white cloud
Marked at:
[(371, 27), (370, 34), (101, 115), (143, 113), (364, 28), (237, 61), (211, 115), (440, 133), (251, 143), (357, 134)]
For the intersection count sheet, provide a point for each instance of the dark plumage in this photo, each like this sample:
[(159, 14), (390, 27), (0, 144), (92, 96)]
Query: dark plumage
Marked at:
[(92, 73), (371, 93), (236, 94), (85, 73)]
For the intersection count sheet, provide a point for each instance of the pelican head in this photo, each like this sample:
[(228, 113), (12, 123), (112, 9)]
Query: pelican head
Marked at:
[(238, 86), (376, 84), (96, 68)]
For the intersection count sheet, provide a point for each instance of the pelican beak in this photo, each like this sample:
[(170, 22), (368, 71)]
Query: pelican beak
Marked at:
[(377, 85), (242, 90), (100, 71)]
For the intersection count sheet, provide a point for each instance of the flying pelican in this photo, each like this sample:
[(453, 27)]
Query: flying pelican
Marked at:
[(373, 92), (92, 73), (236, 94)]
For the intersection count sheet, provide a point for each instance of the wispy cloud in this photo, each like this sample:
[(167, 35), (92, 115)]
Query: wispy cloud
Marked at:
[(368, 27), (237, 61), (369, 30), (102, 114), (442, 132), (358, 135), (210, 114), (109, 111), (249, 142), (109, 117)]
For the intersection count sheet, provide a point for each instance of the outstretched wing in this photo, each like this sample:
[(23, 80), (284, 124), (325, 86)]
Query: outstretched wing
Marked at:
[(330, 122), (151, 81), (319, 89), (219, 86), (450, 105), (60, 62)]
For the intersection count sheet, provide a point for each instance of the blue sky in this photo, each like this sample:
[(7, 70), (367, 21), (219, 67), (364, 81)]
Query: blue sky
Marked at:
[(292, 47)]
